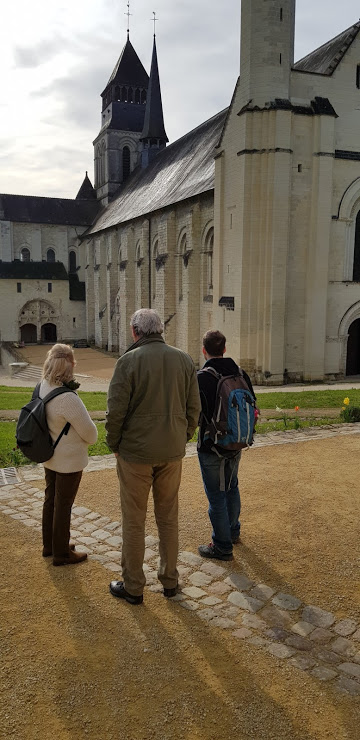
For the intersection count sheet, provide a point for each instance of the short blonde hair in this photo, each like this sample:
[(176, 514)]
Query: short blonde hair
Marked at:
[(59, 364)]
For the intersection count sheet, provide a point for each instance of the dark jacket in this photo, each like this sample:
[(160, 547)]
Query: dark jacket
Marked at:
[(208, 386), (153, 402)]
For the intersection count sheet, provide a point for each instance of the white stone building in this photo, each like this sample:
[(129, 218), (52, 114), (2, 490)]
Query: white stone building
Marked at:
[(250, 223)]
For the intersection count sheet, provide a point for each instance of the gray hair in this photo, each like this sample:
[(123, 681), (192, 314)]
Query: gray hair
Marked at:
[(146, 321)]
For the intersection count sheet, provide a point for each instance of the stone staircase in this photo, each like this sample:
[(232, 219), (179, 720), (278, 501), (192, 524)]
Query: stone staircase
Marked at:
[(31, 373), (80, 344)]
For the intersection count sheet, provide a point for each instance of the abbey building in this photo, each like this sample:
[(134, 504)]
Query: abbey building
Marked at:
[(249, 223)]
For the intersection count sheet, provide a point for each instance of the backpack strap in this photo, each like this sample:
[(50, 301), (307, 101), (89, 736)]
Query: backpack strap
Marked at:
[(212, 371), (56, 392), (63, 431), (46, 399)]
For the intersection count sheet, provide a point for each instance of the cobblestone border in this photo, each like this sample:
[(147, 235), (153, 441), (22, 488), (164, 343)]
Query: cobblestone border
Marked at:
[(309, 638)]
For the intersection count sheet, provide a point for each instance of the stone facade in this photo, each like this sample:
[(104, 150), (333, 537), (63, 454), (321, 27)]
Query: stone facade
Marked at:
[(37, 301), (268, 255), (164, 261)]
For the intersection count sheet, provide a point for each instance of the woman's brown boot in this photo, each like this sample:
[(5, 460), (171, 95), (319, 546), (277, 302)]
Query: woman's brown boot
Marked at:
[(71, 559)]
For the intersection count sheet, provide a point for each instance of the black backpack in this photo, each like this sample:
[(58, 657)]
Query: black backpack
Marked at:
[(32, 432), (232, 424)]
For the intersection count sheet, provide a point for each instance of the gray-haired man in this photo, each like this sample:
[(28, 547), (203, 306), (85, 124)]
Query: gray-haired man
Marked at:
[(153, 409)]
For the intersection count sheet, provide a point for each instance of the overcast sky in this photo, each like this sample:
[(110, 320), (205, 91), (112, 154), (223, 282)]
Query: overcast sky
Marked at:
[(57, 55)]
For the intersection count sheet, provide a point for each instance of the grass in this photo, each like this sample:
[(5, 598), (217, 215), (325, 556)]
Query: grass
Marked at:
[(10, 456), (15, 398), (308, 399), (278, 426)]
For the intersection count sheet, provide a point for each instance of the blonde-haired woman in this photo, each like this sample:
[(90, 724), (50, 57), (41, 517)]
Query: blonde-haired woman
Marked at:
[(64, 470)]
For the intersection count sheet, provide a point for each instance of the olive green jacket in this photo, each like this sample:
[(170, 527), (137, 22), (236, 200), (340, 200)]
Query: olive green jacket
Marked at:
[(153, 402)]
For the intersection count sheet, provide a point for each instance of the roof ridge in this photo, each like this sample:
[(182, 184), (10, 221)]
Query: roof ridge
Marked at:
[(334, 38), (320, 61), (47, 197)]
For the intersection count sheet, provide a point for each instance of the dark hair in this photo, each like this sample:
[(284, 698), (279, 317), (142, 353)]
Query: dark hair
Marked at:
[(214, 343)]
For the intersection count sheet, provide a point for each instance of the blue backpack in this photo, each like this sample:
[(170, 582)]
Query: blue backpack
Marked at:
[(231, 426)]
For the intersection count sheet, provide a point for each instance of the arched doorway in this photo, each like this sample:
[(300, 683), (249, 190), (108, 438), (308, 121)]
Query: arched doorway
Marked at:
[(28, 334), (353, 349), (48, 333)]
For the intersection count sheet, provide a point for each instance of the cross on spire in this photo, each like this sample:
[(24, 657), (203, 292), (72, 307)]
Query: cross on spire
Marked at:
[(128, 15), (154, 19)]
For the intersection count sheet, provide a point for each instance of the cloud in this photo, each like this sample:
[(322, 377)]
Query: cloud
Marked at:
[(30, 57)]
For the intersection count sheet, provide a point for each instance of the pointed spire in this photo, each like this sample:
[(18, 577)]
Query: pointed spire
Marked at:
[(86, 191), (128, 69), (154, 120)]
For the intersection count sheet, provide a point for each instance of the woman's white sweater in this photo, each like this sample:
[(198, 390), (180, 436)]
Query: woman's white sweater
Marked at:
[(71, 454)]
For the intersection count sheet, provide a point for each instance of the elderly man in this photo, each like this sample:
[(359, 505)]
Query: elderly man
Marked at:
[(153, 409)]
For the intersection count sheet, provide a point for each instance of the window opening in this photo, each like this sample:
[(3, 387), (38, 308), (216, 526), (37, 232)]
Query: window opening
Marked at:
[(18, 287), (25, 255), (72, 261), (126, 162), (356, 268)]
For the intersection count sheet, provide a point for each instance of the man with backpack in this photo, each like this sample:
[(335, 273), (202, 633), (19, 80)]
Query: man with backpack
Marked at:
[(226, 427)]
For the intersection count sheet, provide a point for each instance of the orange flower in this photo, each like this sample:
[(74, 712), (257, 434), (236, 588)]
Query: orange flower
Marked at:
[(297, 408)]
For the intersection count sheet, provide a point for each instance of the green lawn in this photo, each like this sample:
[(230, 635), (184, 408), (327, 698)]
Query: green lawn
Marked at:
[(15, 398), (10, 456), (308, 399)]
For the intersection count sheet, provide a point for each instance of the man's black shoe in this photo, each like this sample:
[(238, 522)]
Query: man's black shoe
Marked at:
[(170, 592), (117, 588), (210, 551)]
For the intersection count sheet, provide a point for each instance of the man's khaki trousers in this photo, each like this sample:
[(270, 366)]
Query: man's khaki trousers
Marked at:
[(135, 483)]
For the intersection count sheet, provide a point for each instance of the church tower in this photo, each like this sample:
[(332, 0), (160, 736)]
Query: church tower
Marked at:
[(117, 146), (267, 50), (252, 193)]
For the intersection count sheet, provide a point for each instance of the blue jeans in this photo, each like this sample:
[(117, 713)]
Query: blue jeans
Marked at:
[(224, 506)]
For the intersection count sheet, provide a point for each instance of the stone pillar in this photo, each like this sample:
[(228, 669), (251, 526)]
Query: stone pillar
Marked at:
[(318, 252)]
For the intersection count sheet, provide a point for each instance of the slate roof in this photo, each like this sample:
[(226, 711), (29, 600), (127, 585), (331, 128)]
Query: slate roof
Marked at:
[(326, 58), (39, 210), (33, 270), (184, 169), (128, 69), (86, 192)]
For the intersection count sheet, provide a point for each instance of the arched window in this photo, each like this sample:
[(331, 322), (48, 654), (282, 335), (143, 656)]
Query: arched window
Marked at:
[(155, 271), (182, 253), (143, 96), (356, 268), (137, 95), (72, 261), (126, 162), (130, 95), (50, 255), (25, 255), (209, 248), (123, 95), (117, 92)]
